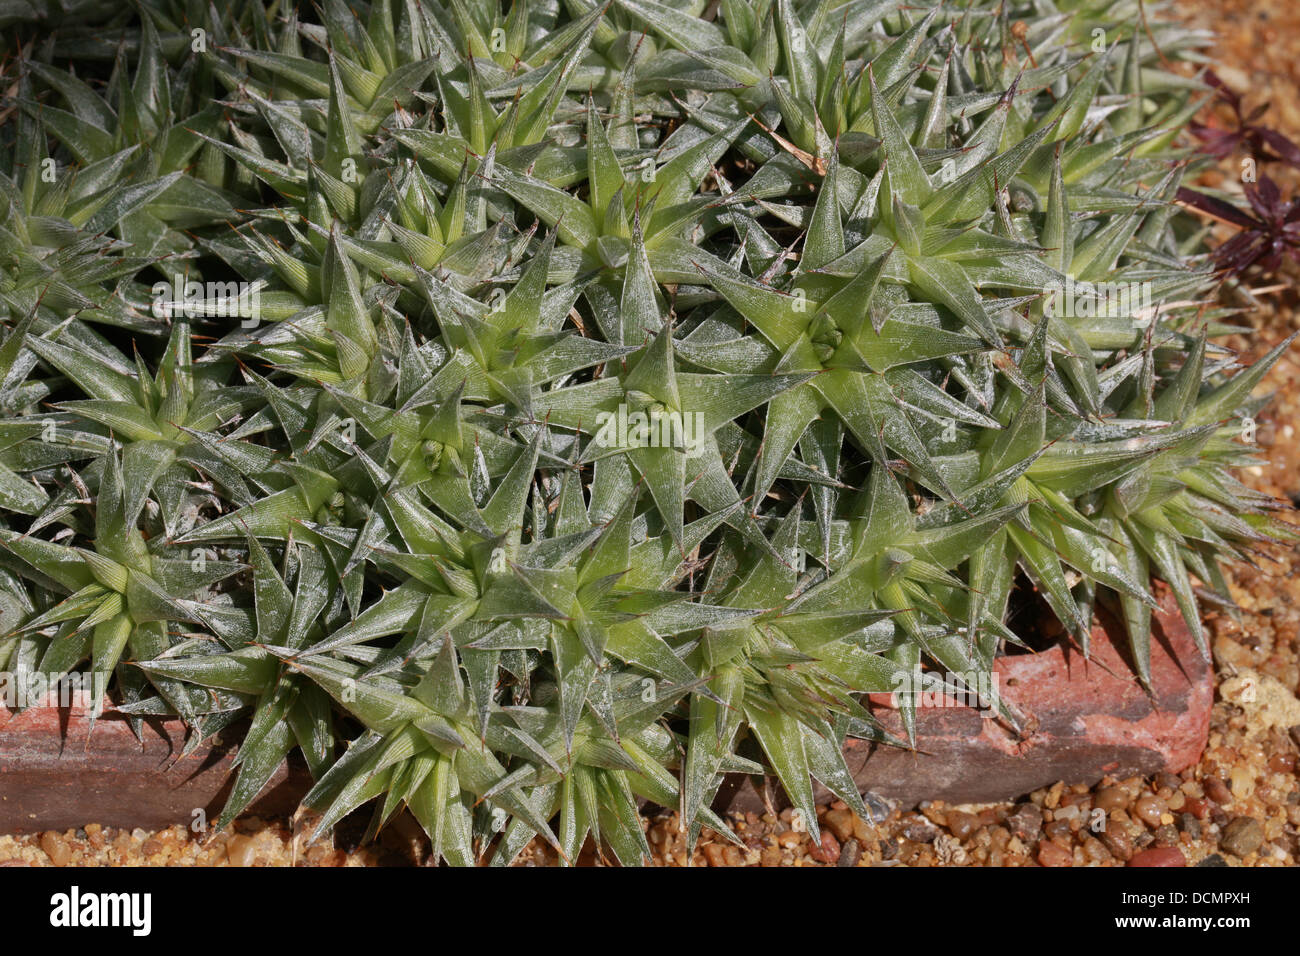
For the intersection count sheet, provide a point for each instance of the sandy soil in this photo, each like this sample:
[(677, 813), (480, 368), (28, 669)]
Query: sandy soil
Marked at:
[(1239, 806)]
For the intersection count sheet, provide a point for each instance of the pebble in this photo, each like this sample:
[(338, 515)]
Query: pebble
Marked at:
[(1213, 860), (715, 854), (1242, 836), (789, 838), (240, 850), (1053, 796), (1094, 849), (1166, 835), (1149, 809), (962, 824), (56, 848), (1243, 782), (1026, 823), (920, 830), (878, 808), (1217, 791), (850, 853), (1068, 813), (95, 835), (949, 850), (1161, 856), (1190, 825), (320, 854), (1117, 839), (934, 814), (1059, 831), (1049, 854), (1110, 798), (829, 849), (840, 822), (1166, 779)]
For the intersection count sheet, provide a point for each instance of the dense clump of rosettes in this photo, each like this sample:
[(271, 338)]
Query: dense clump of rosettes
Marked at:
[(525, 410)]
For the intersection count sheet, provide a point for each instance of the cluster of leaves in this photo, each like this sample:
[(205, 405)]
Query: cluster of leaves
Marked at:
[(1269, 228), (1246, 134), (392, 514)]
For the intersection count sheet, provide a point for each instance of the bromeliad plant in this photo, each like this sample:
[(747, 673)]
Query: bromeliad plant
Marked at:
[(631, 388)]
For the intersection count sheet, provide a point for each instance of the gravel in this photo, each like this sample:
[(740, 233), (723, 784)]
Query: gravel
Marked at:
[(1240, 806), (1242, 836)]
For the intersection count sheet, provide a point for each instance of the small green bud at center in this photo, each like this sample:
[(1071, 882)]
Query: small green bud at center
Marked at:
[(825, 336)]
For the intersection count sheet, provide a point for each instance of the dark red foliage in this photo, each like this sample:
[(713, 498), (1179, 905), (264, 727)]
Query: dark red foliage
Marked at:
[(1270, 229), (1264, 144)]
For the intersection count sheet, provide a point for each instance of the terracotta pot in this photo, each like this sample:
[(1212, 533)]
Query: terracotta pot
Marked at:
[(56, 773), (1085, 719)]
